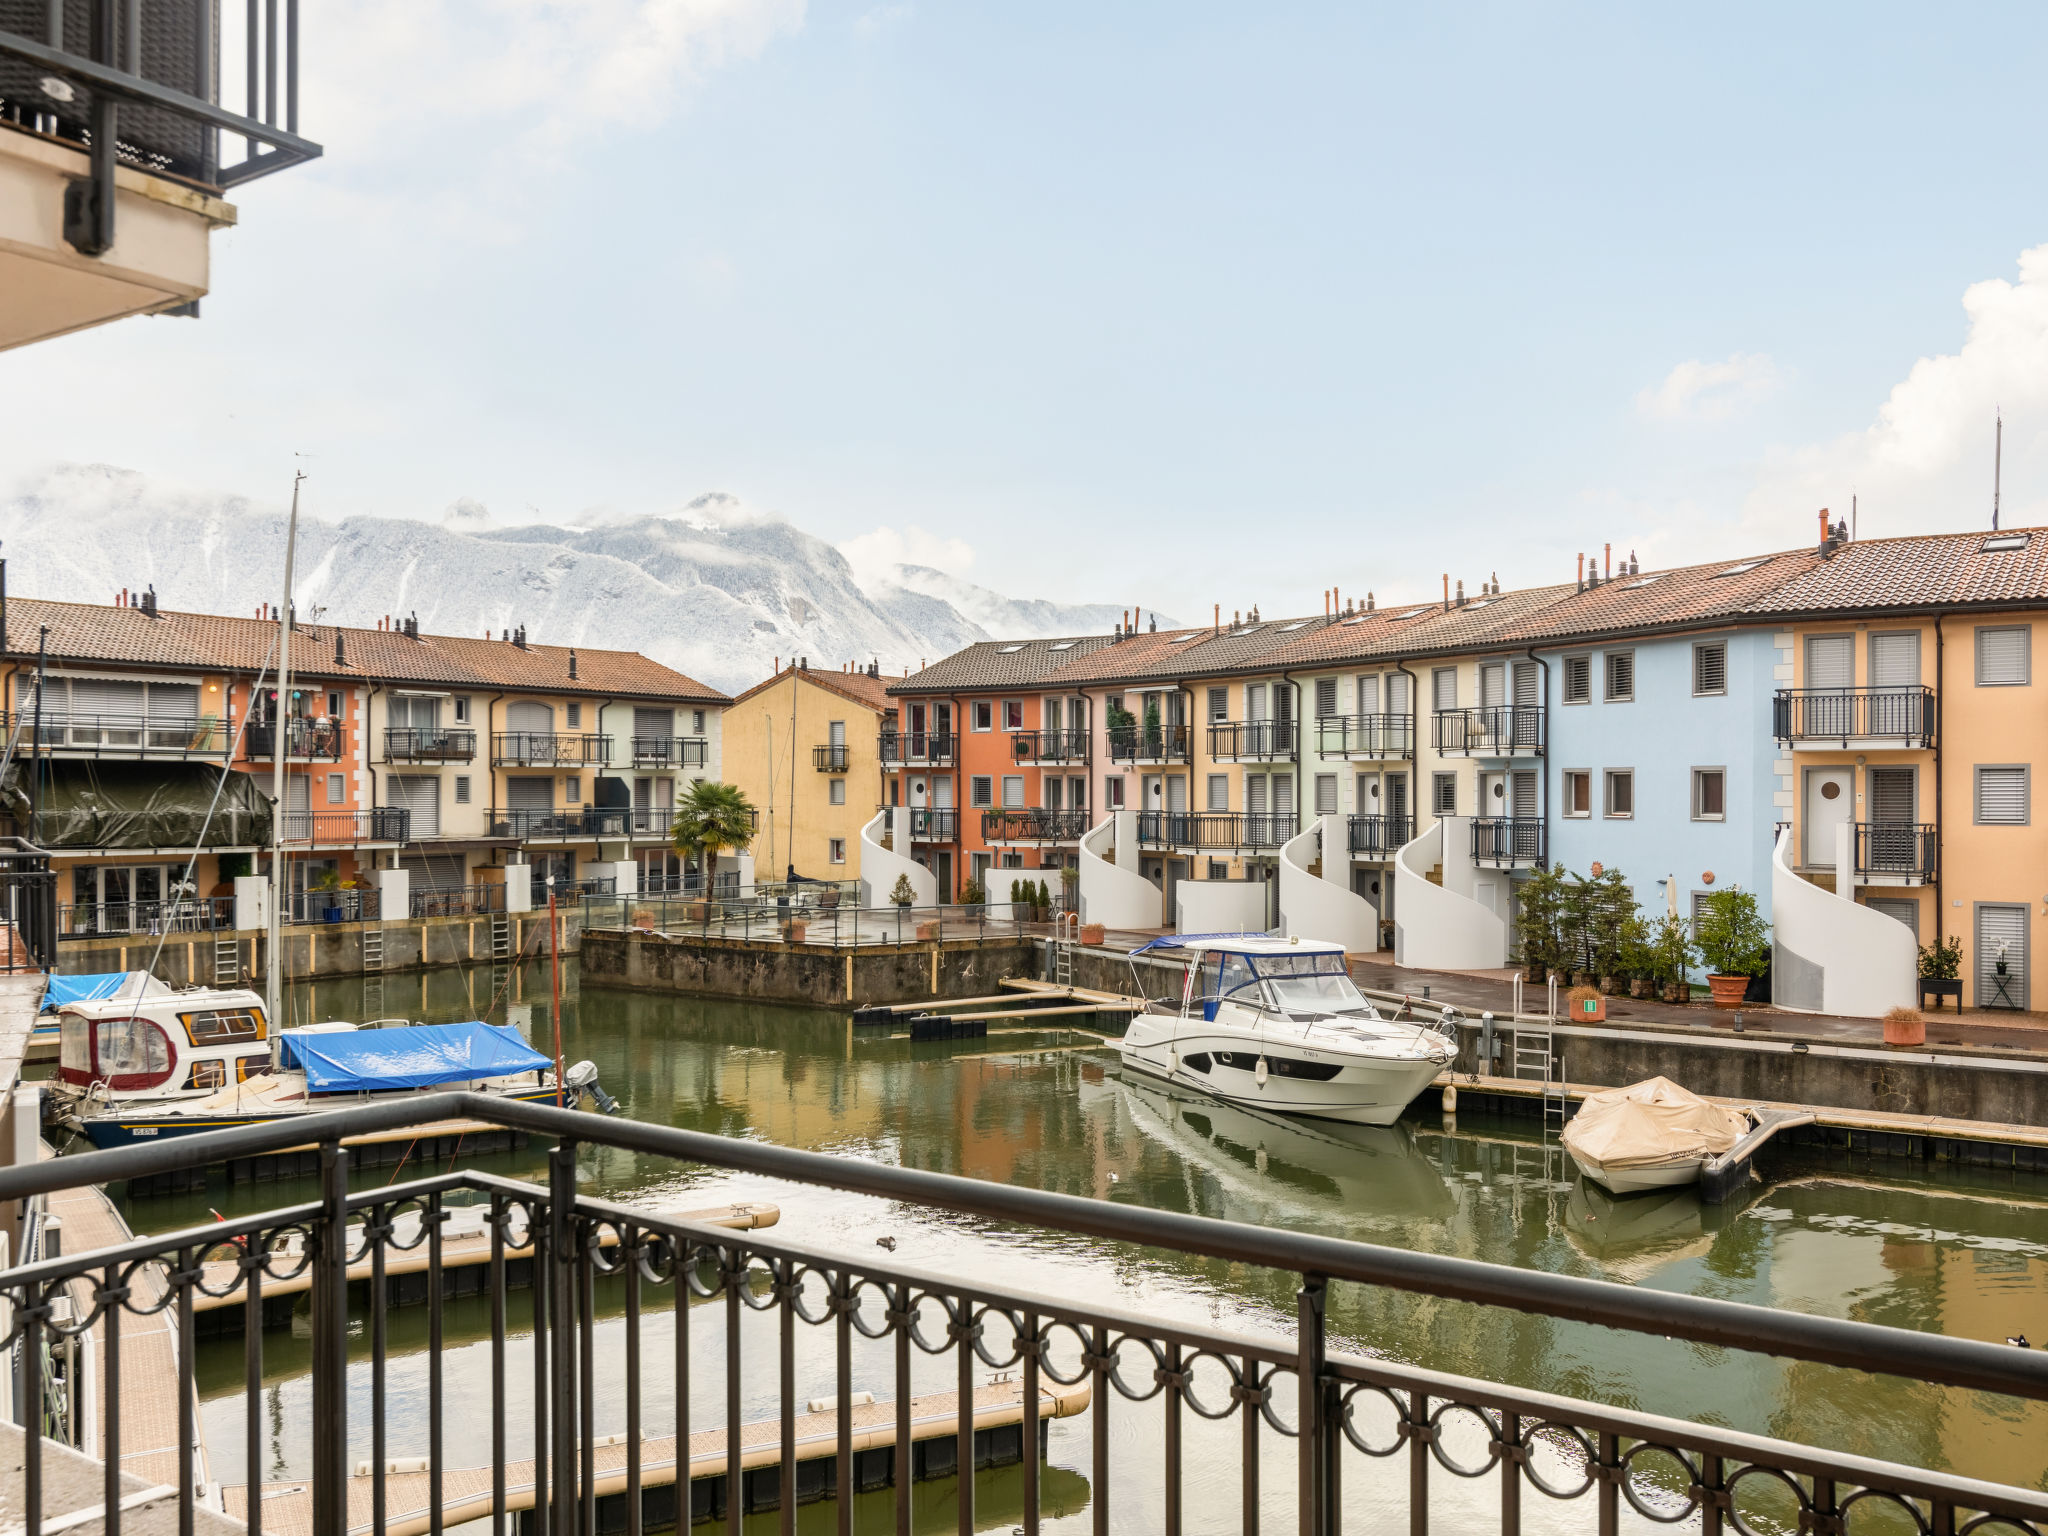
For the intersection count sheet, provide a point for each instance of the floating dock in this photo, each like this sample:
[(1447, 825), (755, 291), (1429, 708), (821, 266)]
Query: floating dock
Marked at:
[(967, 1018), (466, 1493), (378, 1149)]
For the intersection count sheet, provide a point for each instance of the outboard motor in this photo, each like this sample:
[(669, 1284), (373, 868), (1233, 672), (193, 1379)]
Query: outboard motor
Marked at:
[(582, 1080)]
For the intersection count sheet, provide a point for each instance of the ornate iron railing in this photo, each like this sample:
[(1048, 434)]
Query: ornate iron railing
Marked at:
[(1366, 736), (1380, 836), (862, 1328), (1050, 746), (1232, 741), (1034, 826), (1215, 830), (428, 744), (1903, 715), (1490, 730), (1903, 850)]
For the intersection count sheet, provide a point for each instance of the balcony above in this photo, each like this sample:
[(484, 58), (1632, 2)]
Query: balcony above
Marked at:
[(1507, 842), (1139, 747), (585, 824), (549, 749), (934, 824), (671, 752), (305, 741), (1366, 737), (426, 744), (1252, 741), (1050, 746), (1490, 730), (386, 826), (1036, 826), (830, 759), (62, 734), (917, 749), (1895, 853), (1379, 837), (1854, 719), (1215, 831)]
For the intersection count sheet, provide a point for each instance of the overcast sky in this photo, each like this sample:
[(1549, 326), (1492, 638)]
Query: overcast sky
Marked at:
[(1170, 304)]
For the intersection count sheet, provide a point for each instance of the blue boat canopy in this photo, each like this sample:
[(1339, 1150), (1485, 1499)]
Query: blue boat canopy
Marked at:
[(88, 989), (408, 1056)]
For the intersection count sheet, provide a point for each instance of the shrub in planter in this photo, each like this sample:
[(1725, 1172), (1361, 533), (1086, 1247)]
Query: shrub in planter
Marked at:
[(1942, 960), (1734, 944), (1585, 1005), (902, 894), (1905, 1026)]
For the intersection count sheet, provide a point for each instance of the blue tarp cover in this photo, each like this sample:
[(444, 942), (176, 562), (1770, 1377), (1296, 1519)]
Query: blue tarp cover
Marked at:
[(408, 1056), (82, 989)]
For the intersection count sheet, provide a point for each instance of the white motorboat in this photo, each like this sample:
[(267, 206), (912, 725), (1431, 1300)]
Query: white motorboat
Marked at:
[(1649, 1135), (1278, 1024)]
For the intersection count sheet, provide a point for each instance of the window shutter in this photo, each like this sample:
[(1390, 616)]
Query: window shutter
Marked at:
[(1891, 795), (1621, 674), (1219, 703), (1326, 697), (1219, 791), (1445, 683), (1710, 669), (420, 794), (1524, 791), (2002, 796), (1255, 793), (2001, 656), (1368, 696), (1255, 701), (1397, 693), (1528, 685), (1894, 661), (1578, 679), (1492, 686), (1830, 661), (1326, 794)]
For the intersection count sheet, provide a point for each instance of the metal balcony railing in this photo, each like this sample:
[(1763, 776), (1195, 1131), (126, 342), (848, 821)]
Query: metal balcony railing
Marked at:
[(569, 892), (545, 749), (1034, 826), (1508, 841), (1380, 836), (1366, 736), (917, 749), (457, 900), (1490, 730), (28, 904), (1900, 850), (935, 824), (191, 914), (830, 759), (1167, 744), (610, 1324), (361, 905), (118, 735), (671, 751), (1215, 830), (584, 823), (428, 744), (1050, 746), (1905, 716), (309, 741), (1232, 741), (347, 829)]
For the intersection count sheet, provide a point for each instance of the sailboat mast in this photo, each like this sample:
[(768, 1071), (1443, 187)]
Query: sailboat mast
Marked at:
[(280, 754)]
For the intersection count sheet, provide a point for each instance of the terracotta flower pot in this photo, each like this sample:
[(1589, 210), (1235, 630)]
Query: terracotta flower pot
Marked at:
[(926, 932), (793, 931), (1904, 1027), (1091, 933), (1728, 990)]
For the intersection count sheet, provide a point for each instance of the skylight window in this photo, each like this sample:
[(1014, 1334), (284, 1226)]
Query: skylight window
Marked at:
[(1645, 581), (1412, 613), (1737, 570), (1061, 645), (2002, 541), (1184, 639), (1008, 650), (1288, 629)]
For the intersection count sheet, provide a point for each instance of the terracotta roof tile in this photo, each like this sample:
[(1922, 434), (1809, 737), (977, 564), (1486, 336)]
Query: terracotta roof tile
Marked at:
[(1919, 571), (992, 664), (868, 692), (1690, 594), (1178, 653)]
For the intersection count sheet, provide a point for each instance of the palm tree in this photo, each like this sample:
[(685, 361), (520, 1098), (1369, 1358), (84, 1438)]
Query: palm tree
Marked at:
[(711, 818)]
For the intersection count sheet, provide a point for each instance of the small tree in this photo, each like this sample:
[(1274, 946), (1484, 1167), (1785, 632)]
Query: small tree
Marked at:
[(1734, 939), (903, 895), (1671, 944), (1152, 718), (711, 818), (1539, 910), (1044, 898), (972, 893), (1942, 960)]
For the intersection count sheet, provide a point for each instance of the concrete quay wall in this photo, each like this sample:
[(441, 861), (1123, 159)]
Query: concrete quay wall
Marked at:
[(817, 974)]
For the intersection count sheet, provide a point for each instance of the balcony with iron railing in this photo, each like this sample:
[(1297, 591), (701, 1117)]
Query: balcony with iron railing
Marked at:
[(934, 824), (671, 751), (384, 824), (831, 759), (1252, 741), (1050, 746), (1490, 730), (63, 733), (917, 749), (305, 740), (1215, 831), (1847, 718), (583, 824), (1139, 746), (549, 749), (1036, 825), (186, 914), (429, 744), (1896, 853), (1379, 837), (1508, 842), (1366, 737)]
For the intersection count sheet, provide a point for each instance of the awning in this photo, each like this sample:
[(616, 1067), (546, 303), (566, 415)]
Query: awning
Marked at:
[(106, 803), (408, 1056)]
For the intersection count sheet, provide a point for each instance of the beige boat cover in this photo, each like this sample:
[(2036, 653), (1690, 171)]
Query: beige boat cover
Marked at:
[(1649, 1123)]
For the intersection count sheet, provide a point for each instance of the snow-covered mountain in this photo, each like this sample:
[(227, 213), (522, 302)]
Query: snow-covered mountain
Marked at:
[(716, 589)]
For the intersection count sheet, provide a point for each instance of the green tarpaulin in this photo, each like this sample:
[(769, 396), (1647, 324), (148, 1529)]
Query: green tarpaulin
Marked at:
[(103, 804)]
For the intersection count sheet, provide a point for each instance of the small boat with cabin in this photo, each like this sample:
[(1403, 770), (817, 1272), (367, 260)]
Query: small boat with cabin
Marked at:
[(128, 1038), (1279, 1025)]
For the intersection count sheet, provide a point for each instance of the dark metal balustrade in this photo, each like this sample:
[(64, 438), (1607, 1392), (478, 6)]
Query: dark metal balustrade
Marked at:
[(117, 735), (584, 823), (1216, 830), (428, 744), (540, 749), (1034, 826), (1902, 715), (1380, 836), (1050, 746), (312, 741), (1507, 841), (1366, 736), (1363, 1433), (934, 824), (190, 914), (830, 759), (28, 905), (917, 749), (671, 751), (348, 829), (1490, 730), (1167, 744), (457, 900), (1900, 850), (1235, 741)]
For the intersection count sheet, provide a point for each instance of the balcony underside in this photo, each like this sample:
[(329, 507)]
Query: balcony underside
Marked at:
[(1857, 743)]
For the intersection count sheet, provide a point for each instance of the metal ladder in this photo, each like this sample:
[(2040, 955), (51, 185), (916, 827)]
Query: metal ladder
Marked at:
[(227, 961), (373, 948), (1061, 959), (1536, 1056), (373, 997), (501, 936)]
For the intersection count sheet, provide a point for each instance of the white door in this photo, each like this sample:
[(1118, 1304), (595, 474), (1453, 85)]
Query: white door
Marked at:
[(919, 796), (1493, 794), (1830, 801)]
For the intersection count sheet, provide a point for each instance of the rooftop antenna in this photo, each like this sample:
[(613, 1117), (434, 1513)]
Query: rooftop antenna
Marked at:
[(1997, 467)]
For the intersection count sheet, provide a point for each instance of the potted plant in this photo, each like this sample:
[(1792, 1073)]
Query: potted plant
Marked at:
[(1941, 971), (328, 884), (1044, 903), (901, 894), (1637, 955), (1671, 945), (1585, 1005), (973, 897), (1905, 1026), (1540, 914), (1734, 944)]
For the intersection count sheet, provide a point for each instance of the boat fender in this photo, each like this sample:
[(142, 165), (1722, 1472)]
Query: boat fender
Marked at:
[(1173, 1061), (1259, 1076)]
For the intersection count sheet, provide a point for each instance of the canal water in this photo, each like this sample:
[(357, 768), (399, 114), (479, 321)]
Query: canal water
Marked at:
[(1960, 1253)]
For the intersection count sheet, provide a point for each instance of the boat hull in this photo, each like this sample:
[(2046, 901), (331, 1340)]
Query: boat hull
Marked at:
[(110, 1130), (1362, 1091), (1636, 1181)]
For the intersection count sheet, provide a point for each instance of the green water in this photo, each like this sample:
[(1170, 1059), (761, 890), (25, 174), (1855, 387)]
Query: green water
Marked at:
[(1959, 1254)]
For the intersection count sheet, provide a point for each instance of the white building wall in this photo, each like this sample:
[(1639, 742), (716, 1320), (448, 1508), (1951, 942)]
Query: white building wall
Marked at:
[(1830, 955), (1324, 907), (880, 867), (1444, 927), (1114, 894), (1220, 906)]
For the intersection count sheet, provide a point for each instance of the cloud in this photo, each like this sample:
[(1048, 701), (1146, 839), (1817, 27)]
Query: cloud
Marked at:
[(1697, 391), (875, 555), (883, 17)]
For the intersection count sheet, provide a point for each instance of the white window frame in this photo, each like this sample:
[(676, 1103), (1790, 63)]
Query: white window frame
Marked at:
[(462, 789), (337, 788), (835, 792), (1013, 800), (835, 850), (572, 715), (1113, 792), (461, 710), (1437, 798), (1015, 706), (2026, 654), (1329, 779), (981, 715)]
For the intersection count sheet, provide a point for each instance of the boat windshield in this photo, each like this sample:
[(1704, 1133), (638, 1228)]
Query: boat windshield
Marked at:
[(1310, 983)]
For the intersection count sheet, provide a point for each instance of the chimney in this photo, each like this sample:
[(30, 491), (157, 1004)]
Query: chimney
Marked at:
[(1155, 623), (122, 600), (1461, 592), (1326, 602), (1581, 577), (1368, 600), (1335, 598), (1447, 591), (1219, 618), (777, 668), (572, 663), (1608, 569), (340, 654), (807, 663)]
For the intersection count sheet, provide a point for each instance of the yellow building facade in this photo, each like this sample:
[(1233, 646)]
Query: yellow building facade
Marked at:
[(805, 747)]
